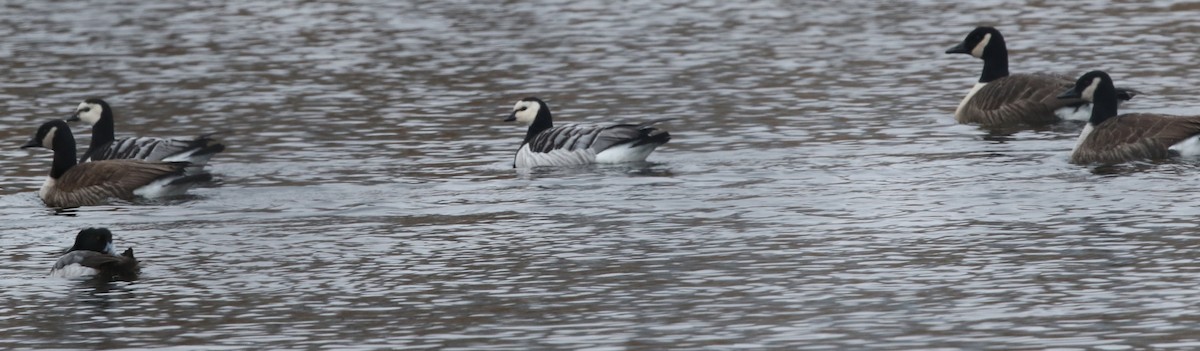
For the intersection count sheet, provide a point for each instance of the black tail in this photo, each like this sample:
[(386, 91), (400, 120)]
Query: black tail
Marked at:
[(127, 269), (192, 178), (1126, 94), (207, 145), (189, 174), (651, 134)]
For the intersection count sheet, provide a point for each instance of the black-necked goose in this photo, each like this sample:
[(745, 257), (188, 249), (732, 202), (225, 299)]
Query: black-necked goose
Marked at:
[(73, 184), (547, 145), (1111, 138), (105, 145), (93, 256), (1001, 99)]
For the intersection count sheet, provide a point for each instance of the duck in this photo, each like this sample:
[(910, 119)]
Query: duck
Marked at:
[(1109, 138), (73, 184), (93, 256), (1001, 99), (576, 144), (105, 146)]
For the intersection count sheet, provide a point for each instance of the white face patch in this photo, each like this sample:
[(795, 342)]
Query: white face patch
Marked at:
[(1090, 92), (978, 50), (48, 140), (526, 111), (89, 113)]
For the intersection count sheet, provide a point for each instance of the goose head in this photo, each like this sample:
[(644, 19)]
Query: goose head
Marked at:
[(49, 133), (529, 110), (981, 42), (1087, 85), (90, 111)]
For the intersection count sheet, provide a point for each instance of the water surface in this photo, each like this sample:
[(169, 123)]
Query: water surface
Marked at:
[(817, 193)]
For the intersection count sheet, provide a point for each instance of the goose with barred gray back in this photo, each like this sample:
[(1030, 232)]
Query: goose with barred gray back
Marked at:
[(548, 145)]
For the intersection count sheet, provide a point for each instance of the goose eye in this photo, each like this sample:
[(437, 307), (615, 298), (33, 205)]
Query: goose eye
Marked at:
[(523, 108)]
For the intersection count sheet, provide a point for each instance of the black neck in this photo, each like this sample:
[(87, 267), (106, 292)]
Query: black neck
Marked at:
[(1104, 103), (995, 60), (103, 131), (540, 123), (64, 153)]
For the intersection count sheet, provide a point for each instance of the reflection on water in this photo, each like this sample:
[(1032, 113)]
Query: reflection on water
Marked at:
[(817, 193)]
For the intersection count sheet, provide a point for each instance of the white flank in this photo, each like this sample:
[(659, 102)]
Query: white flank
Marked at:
[(72, 271), (970, 94), (47, 186), (1189, 147), (1083, 113), (625, 153), (526, 158), (160, 188), (1087, 130)]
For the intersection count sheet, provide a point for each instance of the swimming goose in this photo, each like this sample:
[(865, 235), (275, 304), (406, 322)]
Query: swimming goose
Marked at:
[(547, 145), (1001, 99), (73, 184), (1109, 138), (93, 256), (105, 146)]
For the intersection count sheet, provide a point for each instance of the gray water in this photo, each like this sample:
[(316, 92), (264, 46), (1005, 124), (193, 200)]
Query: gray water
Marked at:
[(817, 194)]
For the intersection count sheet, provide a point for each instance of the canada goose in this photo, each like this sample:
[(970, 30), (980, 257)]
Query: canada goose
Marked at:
[(1109, 138), (105, 146), (73, 184), (93, 256), (547, 145), (1001, 99)]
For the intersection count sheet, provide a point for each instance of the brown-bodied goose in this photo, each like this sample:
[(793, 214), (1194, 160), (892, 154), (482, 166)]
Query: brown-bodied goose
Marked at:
[(105, 145), (1110, 138), (547, 145), (93, 256), (1003, 99), (73, 184)]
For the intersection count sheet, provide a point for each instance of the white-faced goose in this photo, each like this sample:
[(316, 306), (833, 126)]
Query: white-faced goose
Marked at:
[(1001, 99), (1110, 138), (105, 145), (93, 256), (73, 184), (548, 145)]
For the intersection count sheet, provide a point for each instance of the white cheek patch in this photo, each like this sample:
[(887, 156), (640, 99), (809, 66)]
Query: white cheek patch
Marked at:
[(1090, 92), (48, 140), (92, 115), (528, 115), (978, 50)]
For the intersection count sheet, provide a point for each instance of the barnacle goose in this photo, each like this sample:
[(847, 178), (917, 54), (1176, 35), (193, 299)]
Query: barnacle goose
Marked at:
[(1002, 99), (73, 184), (105, 146), (93, 256), (1111, 138), (547, 145)]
